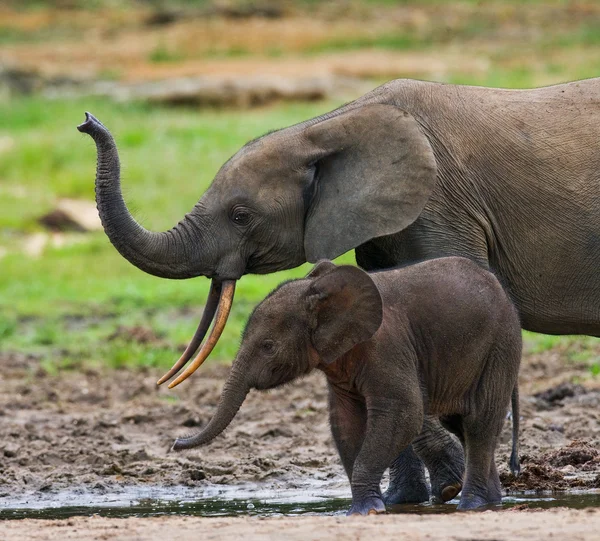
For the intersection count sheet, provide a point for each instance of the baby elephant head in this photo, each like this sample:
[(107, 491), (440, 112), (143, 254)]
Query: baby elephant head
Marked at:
[(300, 325)]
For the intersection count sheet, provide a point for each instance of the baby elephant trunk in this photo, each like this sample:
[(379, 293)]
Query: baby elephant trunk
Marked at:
[(233, 396)]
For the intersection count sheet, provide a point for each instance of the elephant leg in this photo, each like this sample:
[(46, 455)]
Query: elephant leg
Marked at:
[(407, 480), (482, 485), (494, 485), (348, 420), (390, 429), (443, 456)]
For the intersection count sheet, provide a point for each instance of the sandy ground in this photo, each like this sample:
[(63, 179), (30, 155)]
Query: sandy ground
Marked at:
[(104, 433), (494, 526)]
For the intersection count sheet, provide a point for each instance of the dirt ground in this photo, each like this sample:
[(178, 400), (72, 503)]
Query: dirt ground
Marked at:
[(493, 526), (102, 433)]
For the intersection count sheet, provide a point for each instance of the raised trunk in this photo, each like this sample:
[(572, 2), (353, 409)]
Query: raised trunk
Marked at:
[(164, 254), (233, 396)]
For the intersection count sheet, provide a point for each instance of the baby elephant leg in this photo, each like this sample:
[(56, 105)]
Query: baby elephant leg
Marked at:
[(407, 480), (391, 426), (443, 456), (348, 420), (482, 484)]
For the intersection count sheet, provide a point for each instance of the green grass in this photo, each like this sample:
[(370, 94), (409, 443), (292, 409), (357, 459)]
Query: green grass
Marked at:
[(162, 54), (582, 350)]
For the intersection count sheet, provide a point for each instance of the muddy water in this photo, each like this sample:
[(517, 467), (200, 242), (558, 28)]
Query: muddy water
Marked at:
[(287, 503)]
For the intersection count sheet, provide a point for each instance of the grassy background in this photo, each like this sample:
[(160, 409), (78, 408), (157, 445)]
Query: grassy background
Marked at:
[(67, 306)]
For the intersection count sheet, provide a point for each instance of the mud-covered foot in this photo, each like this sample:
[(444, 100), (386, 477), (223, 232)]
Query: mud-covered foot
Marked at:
[(406, 493), (369, 506)]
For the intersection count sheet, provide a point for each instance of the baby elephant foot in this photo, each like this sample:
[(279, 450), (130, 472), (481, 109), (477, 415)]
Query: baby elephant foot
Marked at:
[(368, 506), (407, 480), (446, 479), (406, 493), (445, 494), (471, 502)]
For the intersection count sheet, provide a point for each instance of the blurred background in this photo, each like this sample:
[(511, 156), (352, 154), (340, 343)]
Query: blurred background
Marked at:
[(182, 84)]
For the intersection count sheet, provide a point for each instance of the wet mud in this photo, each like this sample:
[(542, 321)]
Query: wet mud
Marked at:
[(104, 433)]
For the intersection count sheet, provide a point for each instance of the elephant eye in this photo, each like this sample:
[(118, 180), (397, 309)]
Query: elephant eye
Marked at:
[(268, 346), (241, 216)]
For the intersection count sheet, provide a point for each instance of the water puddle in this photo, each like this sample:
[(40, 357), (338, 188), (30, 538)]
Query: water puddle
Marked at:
[(238, 501)]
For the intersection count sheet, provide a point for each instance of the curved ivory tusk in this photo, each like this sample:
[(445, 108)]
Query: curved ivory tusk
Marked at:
[(225, 302), (207, 317)]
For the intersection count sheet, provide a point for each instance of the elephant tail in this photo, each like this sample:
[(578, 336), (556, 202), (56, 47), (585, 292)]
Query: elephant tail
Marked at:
[(515, 466)]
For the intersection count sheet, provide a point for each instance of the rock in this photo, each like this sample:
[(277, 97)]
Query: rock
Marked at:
[(72, 215), (191, 422), (558, 393), (17, 81), (196, 474), (11, 450)]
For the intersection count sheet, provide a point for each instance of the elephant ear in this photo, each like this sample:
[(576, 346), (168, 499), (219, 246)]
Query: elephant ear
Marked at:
[(345, 309), (375, 171), (322, 267)]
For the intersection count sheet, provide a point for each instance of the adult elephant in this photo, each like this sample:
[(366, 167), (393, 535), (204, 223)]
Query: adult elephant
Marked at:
[(410, 171)]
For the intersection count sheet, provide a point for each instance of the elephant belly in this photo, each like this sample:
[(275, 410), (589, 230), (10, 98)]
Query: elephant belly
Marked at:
[(555, 289), (563, 303)]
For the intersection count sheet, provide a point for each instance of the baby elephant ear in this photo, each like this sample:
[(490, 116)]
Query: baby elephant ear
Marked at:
[(321, 267), (346, 309)]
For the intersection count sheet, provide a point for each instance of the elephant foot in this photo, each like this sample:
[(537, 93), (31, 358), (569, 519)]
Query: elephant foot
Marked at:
[(407, 480), (368, 506), (396, 493), (443, 456), (473, 502), (447, 493), (446, 479)]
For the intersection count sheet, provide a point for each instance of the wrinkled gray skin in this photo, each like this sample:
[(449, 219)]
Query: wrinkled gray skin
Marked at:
[(410, 171), (438, 338)]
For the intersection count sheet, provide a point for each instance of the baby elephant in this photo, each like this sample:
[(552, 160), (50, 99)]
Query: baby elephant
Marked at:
[(437, 338)]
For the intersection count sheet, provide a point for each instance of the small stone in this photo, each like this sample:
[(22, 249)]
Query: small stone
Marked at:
[(197, 475), (72, 215), (11, 450)]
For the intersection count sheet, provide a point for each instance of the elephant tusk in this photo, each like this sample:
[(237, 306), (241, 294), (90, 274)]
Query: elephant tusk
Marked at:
[(207, 317), (225, 302)]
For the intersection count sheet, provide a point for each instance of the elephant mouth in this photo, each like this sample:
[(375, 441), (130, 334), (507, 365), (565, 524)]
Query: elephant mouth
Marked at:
[(218, 307)]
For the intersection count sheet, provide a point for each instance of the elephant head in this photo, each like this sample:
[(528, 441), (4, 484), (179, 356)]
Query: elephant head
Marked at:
[(310, 191), (299, 326)]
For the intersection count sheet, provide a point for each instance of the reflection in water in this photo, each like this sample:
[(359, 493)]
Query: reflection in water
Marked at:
[(266, 507)]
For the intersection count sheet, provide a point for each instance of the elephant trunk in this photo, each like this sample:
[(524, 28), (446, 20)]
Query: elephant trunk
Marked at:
[(165, 254), (235, 391)]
